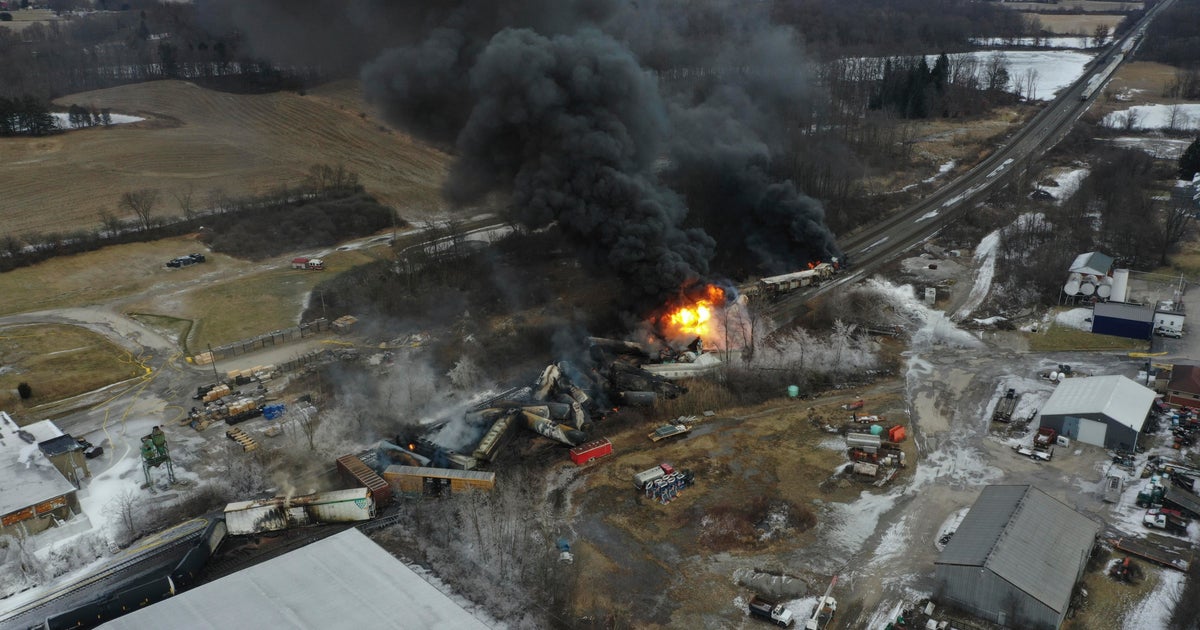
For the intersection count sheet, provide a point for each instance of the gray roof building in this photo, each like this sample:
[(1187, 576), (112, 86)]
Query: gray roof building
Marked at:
[(1016, 557), (343, 581), (1093, 263), (32, 490), (1107, 411)]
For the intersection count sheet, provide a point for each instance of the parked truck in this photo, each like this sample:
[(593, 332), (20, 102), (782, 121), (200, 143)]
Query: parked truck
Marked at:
[(777, 614), (311, 264), (824, 610), (1158, 519)]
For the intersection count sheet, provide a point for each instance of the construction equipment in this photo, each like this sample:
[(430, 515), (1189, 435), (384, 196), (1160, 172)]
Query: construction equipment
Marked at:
[(824, 610), (1006, 406), (777, 614)]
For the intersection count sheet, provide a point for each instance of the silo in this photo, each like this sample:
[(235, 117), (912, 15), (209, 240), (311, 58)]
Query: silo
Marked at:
[(1120, 288)]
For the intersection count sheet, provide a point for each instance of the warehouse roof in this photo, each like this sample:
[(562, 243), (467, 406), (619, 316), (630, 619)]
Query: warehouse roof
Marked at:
[(1027, 538), (1114, 397), (26, 475), (1134, 312), (1093, 263), (344, 581)]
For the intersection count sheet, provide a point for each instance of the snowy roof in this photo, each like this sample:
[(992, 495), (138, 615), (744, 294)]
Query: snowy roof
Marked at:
[(1114, 397), (344, 581), (1185, 378), (1027, 538), (26, 475), (1094, 263)]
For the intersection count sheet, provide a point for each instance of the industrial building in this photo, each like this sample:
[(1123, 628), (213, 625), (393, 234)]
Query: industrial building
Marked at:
[(1092, 263), (1184, 387), (343, 581), (1106, 411), (34, 493), (1131, 321), (1016, 558)]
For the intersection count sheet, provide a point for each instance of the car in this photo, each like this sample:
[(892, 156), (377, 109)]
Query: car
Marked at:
[(1168, 332)]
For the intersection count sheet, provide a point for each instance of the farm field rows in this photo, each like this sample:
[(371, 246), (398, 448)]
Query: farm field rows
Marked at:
[(203, 140)]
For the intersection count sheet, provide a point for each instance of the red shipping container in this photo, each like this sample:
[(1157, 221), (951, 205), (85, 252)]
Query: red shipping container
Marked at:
[(896, 434), (586, 452)]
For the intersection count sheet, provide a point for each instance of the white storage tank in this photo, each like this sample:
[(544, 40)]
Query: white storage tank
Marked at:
[(1120, 286)]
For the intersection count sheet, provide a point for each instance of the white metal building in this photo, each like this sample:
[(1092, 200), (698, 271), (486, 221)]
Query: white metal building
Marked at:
[(1106, 411), (344, 581), (1016, 557)]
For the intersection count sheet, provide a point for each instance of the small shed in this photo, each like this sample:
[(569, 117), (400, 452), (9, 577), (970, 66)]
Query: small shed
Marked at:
[(1131, 321), (1106, 411), (1016, 558), (1092, 263)]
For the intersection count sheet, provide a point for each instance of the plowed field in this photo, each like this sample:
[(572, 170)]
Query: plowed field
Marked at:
[(203, 139)]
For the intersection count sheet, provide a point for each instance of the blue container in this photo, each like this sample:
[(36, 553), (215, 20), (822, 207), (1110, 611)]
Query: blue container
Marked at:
[(793, 391), (876, 429)]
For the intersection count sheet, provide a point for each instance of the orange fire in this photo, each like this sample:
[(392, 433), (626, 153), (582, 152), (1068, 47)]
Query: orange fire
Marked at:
[(695, 317)]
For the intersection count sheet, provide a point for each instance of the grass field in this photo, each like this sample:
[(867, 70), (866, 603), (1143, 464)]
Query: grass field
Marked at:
[(257, 303), (1059, 338), (25, 17), (1082, 24), (204, 139), (58, 362)]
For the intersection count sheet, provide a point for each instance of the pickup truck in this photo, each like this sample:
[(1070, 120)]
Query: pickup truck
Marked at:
[(1160, 520), (771, 611)]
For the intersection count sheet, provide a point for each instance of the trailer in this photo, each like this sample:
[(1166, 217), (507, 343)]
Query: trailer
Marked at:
[(1182, 500), (413, 481), (1176, 558), (279, 513), (585, 453), (357, 473), (1112, 488), (311, 264), (647, 476), (1006, 406), (668, 430)]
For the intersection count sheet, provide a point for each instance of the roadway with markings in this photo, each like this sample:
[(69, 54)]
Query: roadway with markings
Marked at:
[(878, 244)]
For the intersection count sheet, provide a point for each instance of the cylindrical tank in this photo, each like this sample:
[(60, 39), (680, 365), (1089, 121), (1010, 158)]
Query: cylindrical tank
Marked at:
[(1120, 288), (1104, 291), (1054, 376), (876, 429), (793, 391), (1071, 287), (1075, 277), (1087, 288)]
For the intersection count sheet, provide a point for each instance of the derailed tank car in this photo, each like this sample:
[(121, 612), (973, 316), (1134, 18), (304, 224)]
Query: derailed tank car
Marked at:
[(278, 513)]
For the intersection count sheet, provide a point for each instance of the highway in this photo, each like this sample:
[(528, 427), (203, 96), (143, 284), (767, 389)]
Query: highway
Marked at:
[(883, 242)]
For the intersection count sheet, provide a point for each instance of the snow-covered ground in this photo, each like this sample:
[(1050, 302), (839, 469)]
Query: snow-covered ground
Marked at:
[(1056, 69), (1181, 117), (1080, 318), (63, 120), (1077, 43), (1161, 148), (1067, 182), (985, 259)]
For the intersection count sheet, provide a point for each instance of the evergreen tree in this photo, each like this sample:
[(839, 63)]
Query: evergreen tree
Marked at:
[(1189, 162)]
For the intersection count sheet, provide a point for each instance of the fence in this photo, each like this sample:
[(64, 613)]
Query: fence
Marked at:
[(269, 340)]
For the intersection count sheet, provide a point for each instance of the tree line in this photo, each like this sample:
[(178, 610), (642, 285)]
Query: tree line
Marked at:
[(1174, 37), (329, 206)]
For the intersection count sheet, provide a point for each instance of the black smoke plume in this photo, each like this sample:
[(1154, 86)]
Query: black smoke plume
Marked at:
[(565, 108)]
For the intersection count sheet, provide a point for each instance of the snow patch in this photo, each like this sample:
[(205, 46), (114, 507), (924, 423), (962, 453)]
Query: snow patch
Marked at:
[(1154, 611), (63, 120), (1079, 318), (1146, 117), (1068, 183), (1161, 148), (849, 525), (985, 258), (942, 170)]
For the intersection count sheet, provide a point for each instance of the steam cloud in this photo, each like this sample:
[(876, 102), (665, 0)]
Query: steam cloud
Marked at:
[(552, 103)]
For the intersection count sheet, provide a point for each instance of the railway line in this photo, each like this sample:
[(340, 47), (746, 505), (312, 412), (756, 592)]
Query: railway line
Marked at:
[(878, 244)]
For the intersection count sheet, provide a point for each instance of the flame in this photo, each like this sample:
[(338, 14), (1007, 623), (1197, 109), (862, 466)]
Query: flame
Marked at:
[(696, 317)]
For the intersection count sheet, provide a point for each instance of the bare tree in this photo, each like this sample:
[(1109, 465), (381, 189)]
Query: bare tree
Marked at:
[(309, 421), (141, 202), (186, 200), (1174, 117), (110, 222), (1177, 219), (1030, 81), (1100, 35), (1130, 119), (123, 509)]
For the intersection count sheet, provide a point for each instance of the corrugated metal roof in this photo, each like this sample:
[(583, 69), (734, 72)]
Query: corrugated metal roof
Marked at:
[(1027, 538), (344, 581), (979, 531), (1116, 310), (1094, 263), (1185, 378), (1042, 548), (1116, 397)]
